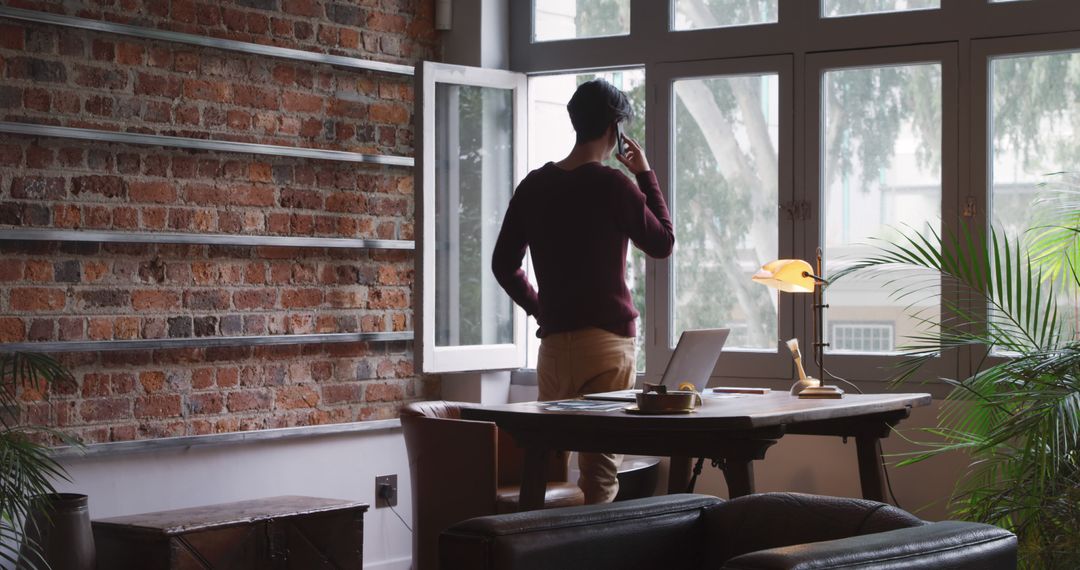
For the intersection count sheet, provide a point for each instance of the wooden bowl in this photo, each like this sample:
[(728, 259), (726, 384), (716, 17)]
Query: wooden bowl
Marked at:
[(673, 401)]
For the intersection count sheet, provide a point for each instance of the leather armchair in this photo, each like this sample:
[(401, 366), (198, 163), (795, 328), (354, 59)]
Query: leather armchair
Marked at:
[(759, 532), (462, 469)]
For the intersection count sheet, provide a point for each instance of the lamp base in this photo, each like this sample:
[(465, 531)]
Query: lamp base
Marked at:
[(822, 393)]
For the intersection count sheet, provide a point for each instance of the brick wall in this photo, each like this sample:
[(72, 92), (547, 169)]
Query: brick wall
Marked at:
[(51, 291)]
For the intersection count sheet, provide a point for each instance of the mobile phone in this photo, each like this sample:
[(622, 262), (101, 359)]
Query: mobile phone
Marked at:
[(621, 144)]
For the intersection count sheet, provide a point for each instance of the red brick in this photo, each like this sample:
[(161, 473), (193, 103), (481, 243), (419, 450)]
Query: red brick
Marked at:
[(129, 53), (105, 409), (102, 50), (152, 381), (202, 378), (296, 397), (238, 120), (157, 406), (126, 328), (158, 192), (154, 299), (301, 298), (12, 36), (95, 385), (206, 403), (301, 102), (37, 299), (228, 377), (310, 8), (382, 392), (206, 90), (11, 269), (158, 85), (67, 216), (99, 328), (39, 270), (251, 96), (254, 299), (122, 383), (248, 400), (12, 329), (387, 299), (388, 113), (160, 57), (386, 23)]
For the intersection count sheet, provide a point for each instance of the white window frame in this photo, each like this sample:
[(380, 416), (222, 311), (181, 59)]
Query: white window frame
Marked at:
[(800, 33), (439, 359)]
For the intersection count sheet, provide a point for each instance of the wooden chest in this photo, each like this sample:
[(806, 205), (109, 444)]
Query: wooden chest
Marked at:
[(276, 533)]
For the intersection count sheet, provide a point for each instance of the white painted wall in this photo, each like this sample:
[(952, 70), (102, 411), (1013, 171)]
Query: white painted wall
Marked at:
[(340, 466)]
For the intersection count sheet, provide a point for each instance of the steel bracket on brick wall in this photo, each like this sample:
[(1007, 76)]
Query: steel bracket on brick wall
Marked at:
[(200, 144), (202, 342), (204, 41), (93, 236)]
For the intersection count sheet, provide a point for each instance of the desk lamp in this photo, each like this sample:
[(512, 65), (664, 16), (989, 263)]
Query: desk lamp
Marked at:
[(796, 276)]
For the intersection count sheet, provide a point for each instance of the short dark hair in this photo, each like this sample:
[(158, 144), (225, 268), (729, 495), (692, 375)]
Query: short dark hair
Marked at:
[(596, 105)]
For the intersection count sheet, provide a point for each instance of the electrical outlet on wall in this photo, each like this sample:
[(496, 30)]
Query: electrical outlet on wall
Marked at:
[(385, 491)]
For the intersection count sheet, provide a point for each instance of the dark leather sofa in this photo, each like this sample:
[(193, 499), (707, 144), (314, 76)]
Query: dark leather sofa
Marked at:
[(764, 531)]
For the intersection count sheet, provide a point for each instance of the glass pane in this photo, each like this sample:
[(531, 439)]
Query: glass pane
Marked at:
[(838, 8), (573, 19), (699, 14), (881, 174), (474, 178), (1034, 121), (725, 198), (551, 137)]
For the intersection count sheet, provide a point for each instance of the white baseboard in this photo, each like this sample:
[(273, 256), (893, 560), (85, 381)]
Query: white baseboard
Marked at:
[(392, 564)]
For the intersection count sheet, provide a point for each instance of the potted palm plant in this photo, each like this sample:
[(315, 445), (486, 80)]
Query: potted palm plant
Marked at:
[(29, 504), (1017, 416)]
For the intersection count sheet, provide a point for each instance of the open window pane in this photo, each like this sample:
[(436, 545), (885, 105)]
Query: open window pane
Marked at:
[(725, 198), (551, 136), (474, 178), (881, 176), (575, 19), (701, 14), (1034, 121), (840, 8)]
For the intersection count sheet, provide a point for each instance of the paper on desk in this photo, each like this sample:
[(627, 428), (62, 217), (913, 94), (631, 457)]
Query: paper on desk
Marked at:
[(582, 405)]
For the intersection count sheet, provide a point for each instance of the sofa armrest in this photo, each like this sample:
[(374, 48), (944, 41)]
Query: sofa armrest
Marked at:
[(656, 532), (938, 546)]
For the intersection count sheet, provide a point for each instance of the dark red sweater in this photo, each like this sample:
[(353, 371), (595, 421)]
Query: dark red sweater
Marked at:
[(576, 224)]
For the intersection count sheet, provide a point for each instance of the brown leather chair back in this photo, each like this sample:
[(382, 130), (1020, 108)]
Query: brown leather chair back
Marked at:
[(453, 467)]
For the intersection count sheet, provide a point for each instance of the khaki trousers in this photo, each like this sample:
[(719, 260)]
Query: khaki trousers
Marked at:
[(580, 362)]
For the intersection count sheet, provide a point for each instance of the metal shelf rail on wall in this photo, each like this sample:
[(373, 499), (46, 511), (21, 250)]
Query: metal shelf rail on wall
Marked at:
[(22, 234)]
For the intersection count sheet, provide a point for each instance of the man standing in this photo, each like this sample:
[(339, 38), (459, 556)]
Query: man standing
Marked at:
[(576, 216)]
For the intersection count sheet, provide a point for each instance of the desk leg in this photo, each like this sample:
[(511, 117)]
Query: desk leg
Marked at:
[(534, 479), (871, 474), (678, 474), (739, 474)]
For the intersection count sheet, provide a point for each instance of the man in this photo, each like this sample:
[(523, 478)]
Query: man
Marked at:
[(576, 216)]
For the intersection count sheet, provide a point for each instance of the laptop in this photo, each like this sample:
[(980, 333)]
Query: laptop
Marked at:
[(693, 361)]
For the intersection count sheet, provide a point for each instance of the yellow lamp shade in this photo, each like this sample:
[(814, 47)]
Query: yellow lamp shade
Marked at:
[(788, 275)]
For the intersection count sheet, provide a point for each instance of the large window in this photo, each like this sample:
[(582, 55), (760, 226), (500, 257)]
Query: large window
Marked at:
[(778, 127), (881, 176), (835, 8), (699, 14), (573, 19), (725, 196)]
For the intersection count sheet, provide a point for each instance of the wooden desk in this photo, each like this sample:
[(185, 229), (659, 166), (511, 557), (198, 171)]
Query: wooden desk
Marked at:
[(732, 431)]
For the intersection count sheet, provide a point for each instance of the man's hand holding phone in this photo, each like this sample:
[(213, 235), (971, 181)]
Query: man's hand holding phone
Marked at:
[(632, 156)]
